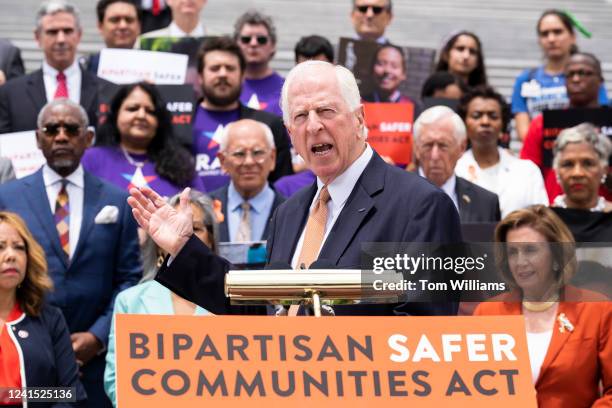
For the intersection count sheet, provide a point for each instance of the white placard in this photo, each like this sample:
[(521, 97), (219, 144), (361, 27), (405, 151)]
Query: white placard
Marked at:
[(123, 66), (21, 148)]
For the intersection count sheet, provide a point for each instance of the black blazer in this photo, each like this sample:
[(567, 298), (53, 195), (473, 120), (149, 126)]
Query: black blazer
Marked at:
[(221, 195), (22, 98), (10, 60), (476, 204), (48, 359), (387, 204)]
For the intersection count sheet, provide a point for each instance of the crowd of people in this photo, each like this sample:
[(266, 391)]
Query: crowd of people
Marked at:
[(286, 160)]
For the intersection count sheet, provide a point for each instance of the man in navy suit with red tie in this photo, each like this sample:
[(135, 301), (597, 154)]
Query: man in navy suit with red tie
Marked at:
[(356, 198)]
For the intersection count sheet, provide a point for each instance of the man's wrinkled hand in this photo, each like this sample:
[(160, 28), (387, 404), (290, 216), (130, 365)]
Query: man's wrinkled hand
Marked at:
[(170, 228)]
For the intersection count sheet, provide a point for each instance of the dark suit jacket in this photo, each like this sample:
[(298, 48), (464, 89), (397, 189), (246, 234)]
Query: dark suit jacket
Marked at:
[(22, 98), (105, 262), (476, 204), (387, 204), (281, 140), (221, 195), (10, 60), (48, 358), (575, 361)]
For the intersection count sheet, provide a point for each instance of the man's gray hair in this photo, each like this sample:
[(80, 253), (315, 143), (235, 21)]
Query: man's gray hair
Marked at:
[(254, 17), (346, 82), (56, 6), (264, 128), (583, 133), (438, 114), (150, 251), (83, 118)]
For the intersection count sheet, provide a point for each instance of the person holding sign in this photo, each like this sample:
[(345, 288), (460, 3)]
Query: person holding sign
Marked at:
[(568, 329), (541, 88), (583, 80), (517, 183), (35, 348), (462, 57), (136, 146), (357, 195), (150, 297)]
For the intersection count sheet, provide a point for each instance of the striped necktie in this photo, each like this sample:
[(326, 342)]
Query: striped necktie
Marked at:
[(62, 217)]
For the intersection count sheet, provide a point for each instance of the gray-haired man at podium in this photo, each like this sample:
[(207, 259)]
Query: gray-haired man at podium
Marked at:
[(356, 198)]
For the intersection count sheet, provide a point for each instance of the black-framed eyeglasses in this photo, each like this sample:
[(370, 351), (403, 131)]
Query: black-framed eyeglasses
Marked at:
[(375, 9), (582, 73), (261, 39), (258, 155), (53, 129)]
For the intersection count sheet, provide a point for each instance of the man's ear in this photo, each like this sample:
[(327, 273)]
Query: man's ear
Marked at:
[(222, 158), (89, 137), (360, 115), (273, 165), (38, 137), (463, 145)]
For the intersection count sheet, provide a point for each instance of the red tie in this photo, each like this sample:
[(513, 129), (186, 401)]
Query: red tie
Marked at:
[(62, 87), (156, 7)]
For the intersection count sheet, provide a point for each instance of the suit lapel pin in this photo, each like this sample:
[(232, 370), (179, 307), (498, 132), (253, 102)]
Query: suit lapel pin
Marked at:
[(466, 198), (564, 323), (23, 334), (361, 210)]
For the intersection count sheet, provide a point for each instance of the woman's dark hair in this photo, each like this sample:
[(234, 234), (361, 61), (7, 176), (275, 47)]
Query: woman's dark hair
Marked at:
[(438, 81), (565, 20), (313, 45), (172, 161), (479, 75), (485, 92)]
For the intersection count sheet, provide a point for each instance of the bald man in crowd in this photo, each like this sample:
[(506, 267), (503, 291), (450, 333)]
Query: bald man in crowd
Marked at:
[(248, 155)]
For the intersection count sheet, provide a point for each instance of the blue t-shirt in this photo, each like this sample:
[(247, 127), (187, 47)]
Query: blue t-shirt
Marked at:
[(207, 130), (535, 91), (263, 94)]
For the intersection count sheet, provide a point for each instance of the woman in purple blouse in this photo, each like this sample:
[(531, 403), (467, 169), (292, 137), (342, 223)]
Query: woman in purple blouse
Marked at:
[(135, 146)]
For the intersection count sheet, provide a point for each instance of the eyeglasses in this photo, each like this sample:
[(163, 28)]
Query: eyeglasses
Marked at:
[(53, 129), (580, 72), (375, 9), (258, 155), (261, 39)]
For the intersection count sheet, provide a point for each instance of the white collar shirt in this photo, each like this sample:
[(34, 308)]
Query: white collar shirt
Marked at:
[(339, 190), (74, 77)]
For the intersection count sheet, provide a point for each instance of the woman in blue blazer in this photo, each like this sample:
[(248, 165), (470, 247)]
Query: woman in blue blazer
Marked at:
[(35, 346), (150, 297)]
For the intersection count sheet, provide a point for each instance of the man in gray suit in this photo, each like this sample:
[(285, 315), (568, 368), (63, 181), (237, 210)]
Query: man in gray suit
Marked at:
[(11, 64), (440, 139)]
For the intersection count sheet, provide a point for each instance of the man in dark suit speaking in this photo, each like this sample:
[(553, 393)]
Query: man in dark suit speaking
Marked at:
[(356, 198), (440, 138)]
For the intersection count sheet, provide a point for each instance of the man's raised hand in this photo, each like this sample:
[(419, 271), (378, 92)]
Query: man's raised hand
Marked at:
[(170, 228)]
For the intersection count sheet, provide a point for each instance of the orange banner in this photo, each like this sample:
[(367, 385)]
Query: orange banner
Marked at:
[(390, 129), (265, 361)]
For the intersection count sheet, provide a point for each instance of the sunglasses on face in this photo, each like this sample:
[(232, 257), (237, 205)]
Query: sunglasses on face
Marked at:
[(375, 9), (53, 129), (261, 39)]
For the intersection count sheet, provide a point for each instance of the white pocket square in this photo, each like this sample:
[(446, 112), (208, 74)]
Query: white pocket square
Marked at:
[(107, 215)]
